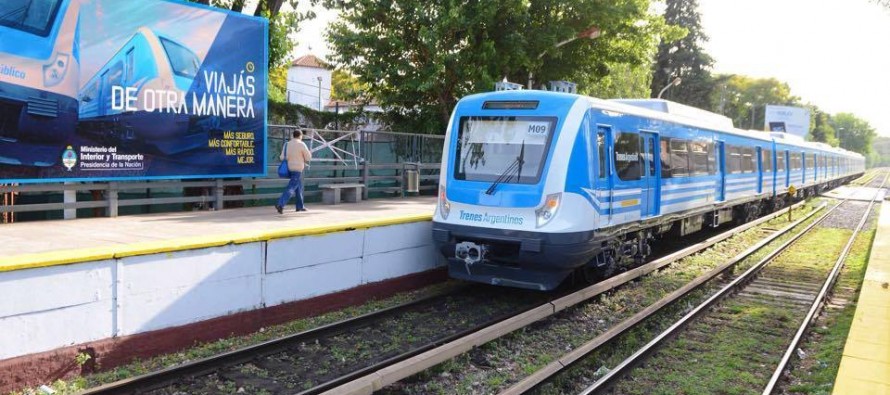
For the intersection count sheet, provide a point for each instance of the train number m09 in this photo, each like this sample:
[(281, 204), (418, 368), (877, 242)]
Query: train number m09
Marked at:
[(39, 72)]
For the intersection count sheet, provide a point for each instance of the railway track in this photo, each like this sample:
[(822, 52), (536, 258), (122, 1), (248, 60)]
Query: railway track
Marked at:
[(756, 320), (309, 362), (313, 361)]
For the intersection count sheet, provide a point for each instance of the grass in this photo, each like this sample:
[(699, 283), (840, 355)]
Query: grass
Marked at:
[(733, 348), (815, 374), (513, 357)]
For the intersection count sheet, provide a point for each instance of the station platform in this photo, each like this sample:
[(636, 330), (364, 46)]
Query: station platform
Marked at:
[(49, 243), (138, 286), (861, 193), (865, 365)]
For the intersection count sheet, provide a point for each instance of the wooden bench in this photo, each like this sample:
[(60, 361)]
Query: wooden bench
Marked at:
[(331, 193)]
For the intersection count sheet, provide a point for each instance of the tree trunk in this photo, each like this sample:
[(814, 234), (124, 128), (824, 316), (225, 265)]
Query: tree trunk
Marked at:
[(270, 6), (238, 5)]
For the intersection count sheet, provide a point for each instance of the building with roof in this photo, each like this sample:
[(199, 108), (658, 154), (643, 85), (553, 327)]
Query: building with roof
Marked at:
[(309, 82)]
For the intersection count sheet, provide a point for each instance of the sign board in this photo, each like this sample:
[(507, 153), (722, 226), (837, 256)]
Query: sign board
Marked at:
[(110, 89), (793, 120)]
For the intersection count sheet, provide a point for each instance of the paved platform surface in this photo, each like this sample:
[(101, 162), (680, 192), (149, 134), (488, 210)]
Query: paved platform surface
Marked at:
[(29, 242), (865, 366), (865, 194)]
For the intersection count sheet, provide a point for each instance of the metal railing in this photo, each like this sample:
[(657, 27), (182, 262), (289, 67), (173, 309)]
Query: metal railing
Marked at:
[(379, 160)]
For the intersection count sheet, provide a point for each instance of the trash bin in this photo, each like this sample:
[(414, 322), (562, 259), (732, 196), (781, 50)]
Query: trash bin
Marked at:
[(413, 181)]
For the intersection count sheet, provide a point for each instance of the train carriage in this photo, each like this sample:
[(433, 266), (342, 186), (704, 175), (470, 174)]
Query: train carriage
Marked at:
[(39, 78), (537, 185)]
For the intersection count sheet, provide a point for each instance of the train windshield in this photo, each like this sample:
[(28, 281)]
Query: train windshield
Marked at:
[(32, 16), (511, 150), (183, 61)]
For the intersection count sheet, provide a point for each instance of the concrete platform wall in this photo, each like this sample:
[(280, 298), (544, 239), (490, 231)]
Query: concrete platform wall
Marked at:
[(46, 308)]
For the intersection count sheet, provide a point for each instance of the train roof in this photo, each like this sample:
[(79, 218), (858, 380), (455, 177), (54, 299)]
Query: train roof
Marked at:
[(668, 111)]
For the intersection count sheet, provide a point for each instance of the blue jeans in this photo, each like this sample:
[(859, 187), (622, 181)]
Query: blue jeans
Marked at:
[(294, 188)]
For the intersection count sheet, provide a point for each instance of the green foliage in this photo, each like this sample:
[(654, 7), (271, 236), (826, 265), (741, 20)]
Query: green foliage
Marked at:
[(743, 98), (345, 86), (282, 25), (822, 130), (855, 134), (418, 57), (282, 112), (881, 152), (684, 58)]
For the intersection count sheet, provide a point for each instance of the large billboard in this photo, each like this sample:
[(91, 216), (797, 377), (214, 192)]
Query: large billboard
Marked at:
[(111, 89), (793, 120)]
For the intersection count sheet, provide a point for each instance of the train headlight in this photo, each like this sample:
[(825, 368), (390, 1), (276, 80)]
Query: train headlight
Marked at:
[(444, 206), (546, 212), (54, 72)]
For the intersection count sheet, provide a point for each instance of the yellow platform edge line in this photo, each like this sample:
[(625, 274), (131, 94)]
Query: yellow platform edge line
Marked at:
[(855, 366), (80, 255)]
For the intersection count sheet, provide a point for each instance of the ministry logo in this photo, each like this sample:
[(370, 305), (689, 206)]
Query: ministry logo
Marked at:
[(69, 158)]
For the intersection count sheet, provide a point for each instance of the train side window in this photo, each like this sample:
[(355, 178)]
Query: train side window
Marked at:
[(665, 157), (712, 159), (795, 161), (767, 160), (810, 161), (699, 157), (116, 74), (747, 160), (91, 92), (780, 161), (679, 158), (734, 160), (627, 156), (601, 152), (130, 69)]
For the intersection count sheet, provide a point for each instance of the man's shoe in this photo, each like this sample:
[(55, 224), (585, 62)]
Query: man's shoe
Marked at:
[(279, 209), (301, 209)]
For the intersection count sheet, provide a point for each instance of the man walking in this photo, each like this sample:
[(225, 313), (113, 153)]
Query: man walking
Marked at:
[(297, 155)]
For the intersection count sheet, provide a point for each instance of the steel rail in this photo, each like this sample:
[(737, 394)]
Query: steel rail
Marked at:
[(204, 366), (820, 300), (382, 377), (569, 359), (629, 363)]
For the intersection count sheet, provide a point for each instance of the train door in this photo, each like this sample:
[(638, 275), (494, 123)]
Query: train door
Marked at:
[(603, 182), (650, 175), (721, 173), (104, 104), (759, 170)]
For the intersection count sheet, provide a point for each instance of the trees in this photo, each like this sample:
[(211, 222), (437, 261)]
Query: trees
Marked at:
[(744, 98), (822, 130), (855, 133), (684, 58), (419, 57), (282, 23)]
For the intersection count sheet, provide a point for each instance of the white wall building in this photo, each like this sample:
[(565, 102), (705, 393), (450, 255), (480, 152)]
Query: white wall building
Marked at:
[(309, 82)]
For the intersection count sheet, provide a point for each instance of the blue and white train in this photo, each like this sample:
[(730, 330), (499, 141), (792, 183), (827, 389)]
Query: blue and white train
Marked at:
[(538, 185), (138, 95), (39, 76)]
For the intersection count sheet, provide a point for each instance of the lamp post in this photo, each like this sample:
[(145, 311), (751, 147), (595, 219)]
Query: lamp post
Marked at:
[(675, 82), (591, 33), (840, 137), (319, 93)]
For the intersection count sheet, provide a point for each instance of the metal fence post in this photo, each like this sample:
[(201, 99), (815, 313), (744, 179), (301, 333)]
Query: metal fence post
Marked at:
[(112, 199), (218, 193), (366, 174)]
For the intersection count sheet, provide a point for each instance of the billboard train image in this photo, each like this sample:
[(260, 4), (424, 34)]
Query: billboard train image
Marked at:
[(105, 89)]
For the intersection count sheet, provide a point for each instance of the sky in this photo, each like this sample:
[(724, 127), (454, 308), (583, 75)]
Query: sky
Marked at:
[(833, 53)]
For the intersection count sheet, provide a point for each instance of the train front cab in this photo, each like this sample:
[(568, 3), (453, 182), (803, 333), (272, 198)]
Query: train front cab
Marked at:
[(496, 226), (39, 63)]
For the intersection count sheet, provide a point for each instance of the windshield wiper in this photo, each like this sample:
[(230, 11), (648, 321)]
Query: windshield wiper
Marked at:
[(508, 173)]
